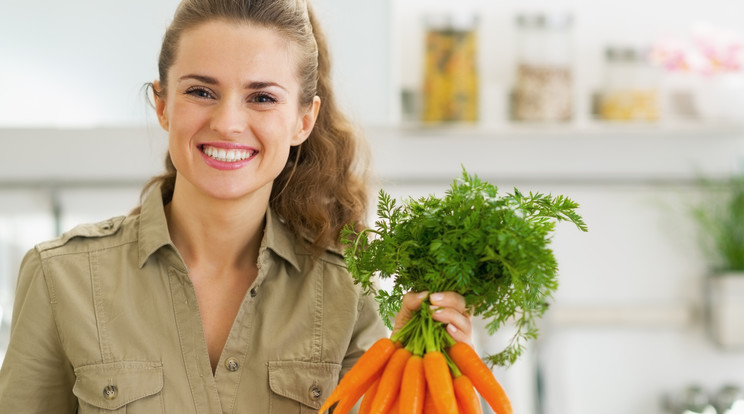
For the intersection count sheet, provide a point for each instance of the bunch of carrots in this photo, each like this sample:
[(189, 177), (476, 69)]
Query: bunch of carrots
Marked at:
[(431, 374), (493, 250)]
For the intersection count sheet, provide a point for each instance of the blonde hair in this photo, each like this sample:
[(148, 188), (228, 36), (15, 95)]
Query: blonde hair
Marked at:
[(323, 186)]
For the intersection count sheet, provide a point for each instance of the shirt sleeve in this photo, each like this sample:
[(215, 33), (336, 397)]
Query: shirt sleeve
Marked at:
[(36, 376)]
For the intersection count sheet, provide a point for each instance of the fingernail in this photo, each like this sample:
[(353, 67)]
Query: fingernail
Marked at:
[(451, 328), (436, 297), (422, 295)]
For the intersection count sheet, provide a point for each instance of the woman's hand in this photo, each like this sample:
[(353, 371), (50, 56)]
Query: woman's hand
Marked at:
[(449, 308)]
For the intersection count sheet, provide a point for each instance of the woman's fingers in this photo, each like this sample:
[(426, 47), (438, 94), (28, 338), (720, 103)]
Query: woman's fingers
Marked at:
[(458, 323), (448, 300), (411, 302), (448, 307)]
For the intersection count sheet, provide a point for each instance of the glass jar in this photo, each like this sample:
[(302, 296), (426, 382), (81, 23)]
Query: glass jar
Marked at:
[(630, 87), (729, 400), (543, 87), (450, 87)]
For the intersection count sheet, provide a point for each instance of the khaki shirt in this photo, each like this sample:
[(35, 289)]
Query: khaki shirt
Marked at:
[(106, 320)]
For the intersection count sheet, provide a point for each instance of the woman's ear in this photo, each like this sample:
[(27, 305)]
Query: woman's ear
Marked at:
[(307, 122), (159, 99)]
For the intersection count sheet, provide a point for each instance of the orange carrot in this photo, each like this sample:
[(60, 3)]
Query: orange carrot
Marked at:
[(390, 381), (348, 401), (395, 409), (369, 364), (467, 398), (429, 407), (439, 382), (413, 386), (468, 361), (368, 397)]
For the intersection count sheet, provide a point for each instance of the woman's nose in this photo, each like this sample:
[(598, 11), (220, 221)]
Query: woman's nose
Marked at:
[(229, 118)]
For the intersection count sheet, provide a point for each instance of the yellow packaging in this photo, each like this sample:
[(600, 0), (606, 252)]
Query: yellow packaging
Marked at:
[(450, 90)]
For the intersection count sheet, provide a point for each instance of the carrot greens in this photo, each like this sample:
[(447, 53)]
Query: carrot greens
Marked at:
[(493, 249)]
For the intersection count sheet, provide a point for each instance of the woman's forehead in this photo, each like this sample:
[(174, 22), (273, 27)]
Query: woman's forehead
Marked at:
[(231, 49)]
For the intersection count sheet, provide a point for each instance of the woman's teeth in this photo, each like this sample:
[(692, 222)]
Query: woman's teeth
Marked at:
[(226, 155)]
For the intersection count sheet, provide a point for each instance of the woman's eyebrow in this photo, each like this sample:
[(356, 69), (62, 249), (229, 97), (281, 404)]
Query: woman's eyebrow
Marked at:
[(263, 84), (201, 78), (250, 85)]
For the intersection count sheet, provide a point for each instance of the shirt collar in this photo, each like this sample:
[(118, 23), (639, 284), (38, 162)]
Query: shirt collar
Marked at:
[(153, 226), (281, 240), (154, 234)]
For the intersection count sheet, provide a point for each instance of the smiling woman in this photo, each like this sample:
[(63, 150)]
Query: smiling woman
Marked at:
[(224, 292), (248, 108)]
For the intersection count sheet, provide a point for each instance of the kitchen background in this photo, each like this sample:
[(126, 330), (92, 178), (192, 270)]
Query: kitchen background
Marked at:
[(537, 102)]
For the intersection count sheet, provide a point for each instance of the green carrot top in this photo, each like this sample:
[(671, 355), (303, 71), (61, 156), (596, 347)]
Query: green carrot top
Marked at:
[(493, 249)]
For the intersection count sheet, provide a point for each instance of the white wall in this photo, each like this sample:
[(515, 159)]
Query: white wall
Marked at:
[(78, 63), (83, 63)]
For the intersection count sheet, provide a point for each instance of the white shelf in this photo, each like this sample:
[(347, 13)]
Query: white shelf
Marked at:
[(579, 128), (593, 153), (670, 316), (589, 153), (104, 155)]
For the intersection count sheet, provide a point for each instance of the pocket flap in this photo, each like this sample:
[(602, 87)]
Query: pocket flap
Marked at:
[(309, 383), (114, 385)]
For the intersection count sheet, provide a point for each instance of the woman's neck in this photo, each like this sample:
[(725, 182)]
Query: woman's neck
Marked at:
[(214, 233)]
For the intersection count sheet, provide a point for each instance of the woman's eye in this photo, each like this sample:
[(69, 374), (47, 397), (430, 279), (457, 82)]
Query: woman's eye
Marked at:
[(263, 98), (199, 93)]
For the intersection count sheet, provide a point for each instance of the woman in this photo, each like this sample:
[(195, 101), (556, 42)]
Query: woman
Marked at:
[(224, 292)]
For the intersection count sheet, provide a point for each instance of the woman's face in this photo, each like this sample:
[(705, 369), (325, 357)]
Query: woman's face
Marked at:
[(232, 109)]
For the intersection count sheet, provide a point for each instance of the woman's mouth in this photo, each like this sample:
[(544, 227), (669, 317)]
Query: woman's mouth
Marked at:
[(227, 154)]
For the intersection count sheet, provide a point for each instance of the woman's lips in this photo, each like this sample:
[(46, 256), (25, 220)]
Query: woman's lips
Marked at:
[(226, 156)]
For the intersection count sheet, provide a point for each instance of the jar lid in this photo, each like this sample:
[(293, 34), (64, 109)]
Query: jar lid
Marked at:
[(728, 397), (615, 53), (460, 20), (548, 20)]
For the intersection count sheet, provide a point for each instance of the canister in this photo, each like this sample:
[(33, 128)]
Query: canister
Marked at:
[(450, 86), (543, 89), (630, 90)]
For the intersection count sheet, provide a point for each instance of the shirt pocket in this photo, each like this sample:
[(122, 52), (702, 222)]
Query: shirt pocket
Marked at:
[(300, 387), (120, 387)]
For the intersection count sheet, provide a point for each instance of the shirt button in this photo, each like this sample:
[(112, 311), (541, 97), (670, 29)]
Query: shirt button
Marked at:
[(253, 293), (110, 392), (315, 392), (232, 364)]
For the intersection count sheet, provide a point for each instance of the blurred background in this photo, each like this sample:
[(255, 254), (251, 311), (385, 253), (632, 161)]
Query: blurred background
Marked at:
[(624, 107)]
